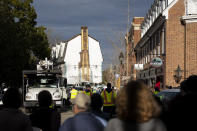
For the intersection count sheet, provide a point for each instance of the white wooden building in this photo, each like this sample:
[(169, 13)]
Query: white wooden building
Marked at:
[(67, 56)]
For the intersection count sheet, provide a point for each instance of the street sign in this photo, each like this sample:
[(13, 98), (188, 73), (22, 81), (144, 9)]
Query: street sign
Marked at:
[(138, 67), (156, 62)]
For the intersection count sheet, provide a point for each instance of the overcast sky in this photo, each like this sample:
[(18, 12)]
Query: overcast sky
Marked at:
[(106, 19)]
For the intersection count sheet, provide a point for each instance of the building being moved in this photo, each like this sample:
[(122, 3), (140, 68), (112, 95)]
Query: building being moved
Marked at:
[(79, 58)]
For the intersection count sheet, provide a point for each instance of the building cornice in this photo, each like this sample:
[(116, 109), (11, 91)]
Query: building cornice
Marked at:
[(158, 22), (158, 7), (189, 19)]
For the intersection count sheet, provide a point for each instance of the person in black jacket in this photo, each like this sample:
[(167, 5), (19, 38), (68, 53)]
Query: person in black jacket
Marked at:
[(11, 118), (96, 105), (181, 113), (45, 118)]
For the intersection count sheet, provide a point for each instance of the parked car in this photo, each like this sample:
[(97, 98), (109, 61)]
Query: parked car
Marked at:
[(167, 95)]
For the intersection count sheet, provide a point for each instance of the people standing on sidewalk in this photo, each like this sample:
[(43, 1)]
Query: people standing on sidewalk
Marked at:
[(109, 98), (82, 120), (44, 117), (137, 110), (11, 118), (181, 114)]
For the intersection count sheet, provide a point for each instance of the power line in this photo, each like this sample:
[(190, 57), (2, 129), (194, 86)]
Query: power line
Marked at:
[(146, 5), (132, 7), (127, 35)]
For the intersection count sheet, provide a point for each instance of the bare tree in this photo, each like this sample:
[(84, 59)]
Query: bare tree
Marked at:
[(118, 44), (53, 39)]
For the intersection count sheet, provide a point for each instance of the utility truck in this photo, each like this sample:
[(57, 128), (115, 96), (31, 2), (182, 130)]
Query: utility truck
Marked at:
[(44, 78)]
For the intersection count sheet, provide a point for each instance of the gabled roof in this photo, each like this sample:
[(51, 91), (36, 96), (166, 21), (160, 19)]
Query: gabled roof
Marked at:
[(72, 38), (78, 35), (60, 60)]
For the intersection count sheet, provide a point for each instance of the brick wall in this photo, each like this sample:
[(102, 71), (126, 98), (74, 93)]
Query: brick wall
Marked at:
[(136, 35), (138, 20), (191, 49), (174, 42)]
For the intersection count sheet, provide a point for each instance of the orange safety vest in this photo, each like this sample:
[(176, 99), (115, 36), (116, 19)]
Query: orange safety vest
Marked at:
[(108, 98)]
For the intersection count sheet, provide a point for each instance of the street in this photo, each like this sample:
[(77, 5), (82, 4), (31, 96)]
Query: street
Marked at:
[(65, 115), (134, 62)]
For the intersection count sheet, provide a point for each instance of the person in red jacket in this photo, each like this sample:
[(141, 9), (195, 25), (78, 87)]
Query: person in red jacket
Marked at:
[(157, 86)]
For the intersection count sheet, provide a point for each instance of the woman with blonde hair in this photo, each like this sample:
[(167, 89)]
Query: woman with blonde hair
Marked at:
[(137, 110)]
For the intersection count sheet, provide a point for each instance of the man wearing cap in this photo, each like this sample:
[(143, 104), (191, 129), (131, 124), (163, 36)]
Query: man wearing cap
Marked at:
[(88, 90), (83, 120)]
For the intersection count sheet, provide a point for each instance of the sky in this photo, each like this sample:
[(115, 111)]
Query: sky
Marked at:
[(106, 21)]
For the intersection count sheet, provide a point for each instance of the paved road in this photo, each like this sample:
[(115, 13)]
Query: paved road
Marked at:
[(66, 115)]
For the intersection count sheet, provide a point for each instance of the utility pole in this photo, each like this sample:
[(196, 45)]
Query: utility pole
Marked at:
[(127, 42)]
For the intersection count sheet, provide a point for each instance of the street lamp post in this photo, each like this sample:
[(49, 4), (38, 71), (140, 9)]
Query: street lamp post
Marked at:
[(121, 58), (178, 74)]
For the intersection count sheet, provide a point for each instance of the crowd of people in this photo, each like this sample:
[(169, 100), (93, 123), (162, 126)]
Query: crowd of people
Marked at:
[(134, 108)]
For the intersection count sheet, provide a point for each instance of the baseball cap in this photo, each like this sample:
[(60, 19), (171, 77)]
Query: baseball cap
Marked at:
[(82, 101)]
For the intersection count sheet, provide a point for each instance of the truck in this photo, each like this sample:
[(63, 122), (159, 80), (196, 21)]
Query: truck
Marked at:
[(35, 81)]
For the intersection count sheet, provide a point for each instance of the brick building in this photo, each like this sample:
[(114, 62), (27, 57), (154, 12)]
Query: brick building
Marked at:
[(134, 37), (169, 31)]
